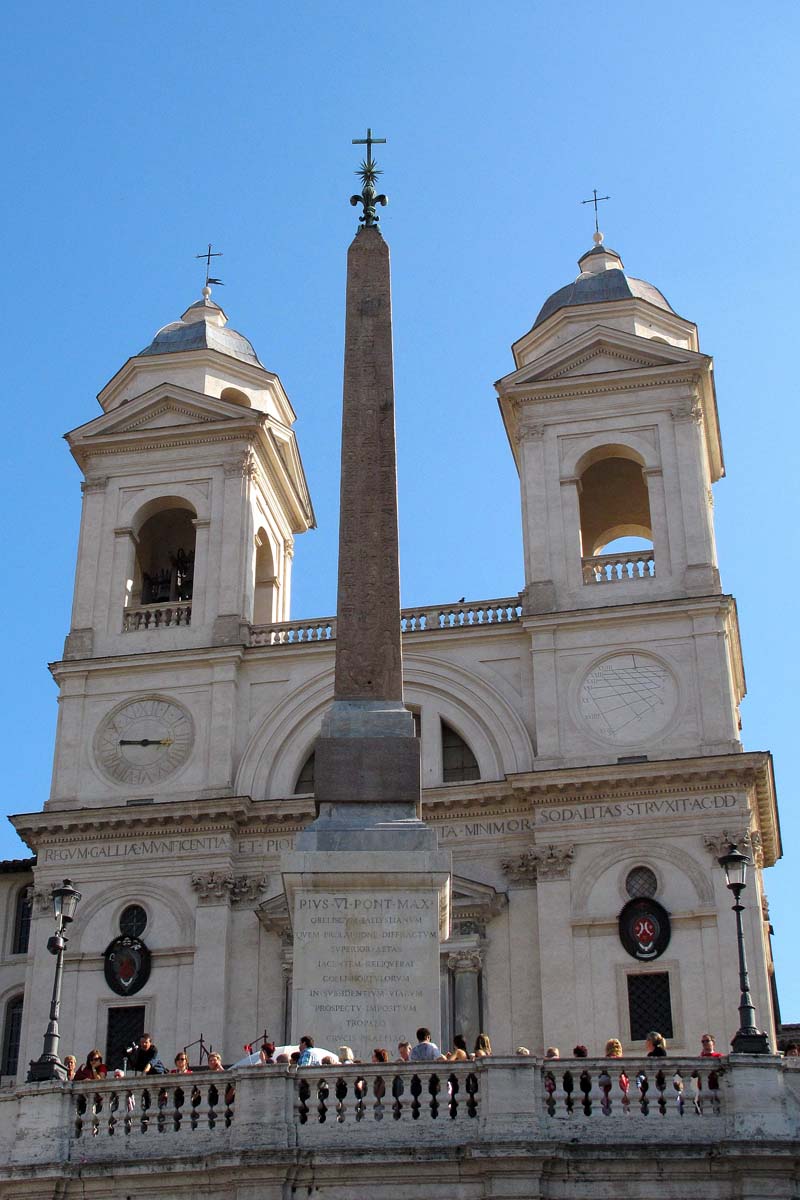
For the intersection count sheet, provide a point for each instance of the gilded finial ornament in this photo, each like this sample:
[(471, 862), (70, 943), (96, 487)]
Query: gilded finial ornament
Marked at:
[(368, 173)]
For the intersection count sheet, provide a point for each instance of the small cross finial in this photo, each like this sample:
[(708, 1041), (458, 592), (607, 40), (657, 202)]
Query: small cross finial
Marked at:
[(595, 200), (368, 173), (208, 257)]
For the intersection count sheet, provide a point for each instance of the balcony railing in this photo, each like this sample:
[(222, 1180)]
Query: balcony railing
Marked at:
[(462, 615), (338, 1108), (157, 616), (619, 568)]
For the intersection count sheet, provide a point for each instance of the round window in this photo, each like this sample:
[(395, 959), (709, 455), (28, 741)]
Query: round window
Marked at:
[(641, 882), (132, 921)]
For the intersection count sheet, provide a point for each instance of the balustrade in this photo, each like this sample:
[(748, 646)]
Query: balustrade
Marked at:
[(463, 615), (619, 568), (337, 1096), (162, 1103), (156, 616), (618, 1087)]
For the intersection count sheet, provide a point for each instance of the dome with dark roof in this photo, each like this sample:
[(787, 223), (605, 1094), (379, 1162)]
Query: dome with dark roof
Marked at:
[(602, 278), (202, 327)]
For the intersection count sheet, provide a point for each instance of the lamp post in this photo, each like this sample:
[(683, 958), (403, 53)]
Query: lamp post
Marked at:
[(749, 1039), (48, 1065)]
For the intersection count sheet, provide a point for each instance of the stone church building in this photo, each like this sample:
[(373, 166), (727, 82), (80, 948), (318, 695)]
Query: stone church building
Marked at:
[(582, 761)]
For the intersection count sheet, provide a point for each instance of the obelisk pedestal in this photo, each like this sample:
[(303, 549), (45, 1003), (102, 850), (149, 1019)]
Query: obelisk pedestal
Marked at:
[(367, 888)]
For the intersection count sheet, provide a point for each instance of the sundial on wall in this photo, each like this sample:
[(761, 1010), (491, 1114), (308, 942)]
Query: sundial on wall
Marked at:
[(627, 698)]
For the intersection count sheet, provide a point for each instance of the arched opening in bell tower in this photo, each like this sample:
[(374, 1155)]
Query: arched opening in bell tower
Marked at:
[(615, 519), (165, 550), (266, 581)]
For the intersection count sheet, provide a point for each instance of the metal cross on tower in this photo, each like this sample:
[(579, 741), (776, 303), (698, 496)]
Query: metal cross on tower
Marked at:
[(208, 257), (369, 141), (595, 201)]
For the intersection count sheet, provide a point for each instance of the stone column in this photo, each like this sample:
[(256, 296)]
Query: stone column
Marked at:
[(523, 930), (571, 525), (466, 966), (559, 1010)]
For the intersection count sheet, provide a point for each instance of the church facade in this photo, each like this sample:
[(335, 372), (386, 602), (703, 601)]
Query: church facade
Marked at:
[(581, 749)]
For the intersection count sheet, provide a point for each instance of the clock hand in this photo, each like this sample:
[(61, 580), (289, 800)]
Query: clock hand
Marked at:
[(146, 741)]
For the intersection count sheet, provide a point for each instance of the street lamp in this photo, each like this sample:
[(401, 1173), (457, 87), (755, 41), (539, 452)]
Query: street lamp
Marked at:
[(748, 1039), (49, 1066)]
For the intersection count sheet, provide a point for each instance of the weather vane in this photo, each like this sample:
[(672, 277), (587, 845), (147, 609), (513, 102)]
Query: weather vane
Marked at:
[(368, 173), (208, 257), (595, 200)]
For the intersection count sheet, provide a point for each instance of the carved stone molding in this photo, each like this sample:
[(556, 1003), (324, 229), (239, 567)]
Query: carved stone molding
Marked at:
[(214, 887), (531, 430), (538, 863), (247, 889), (465, 960), (718, 843), (765, 907), (468, 927)]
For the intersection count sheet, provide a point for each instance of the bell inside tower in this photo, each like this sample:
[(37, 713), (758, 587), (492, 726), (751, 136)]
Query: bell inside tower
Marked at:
[(164, 568)]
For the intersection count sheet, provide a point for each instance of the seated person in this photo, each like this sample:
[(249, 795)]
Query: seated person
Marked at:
[(94, 1068), (144, 1057)]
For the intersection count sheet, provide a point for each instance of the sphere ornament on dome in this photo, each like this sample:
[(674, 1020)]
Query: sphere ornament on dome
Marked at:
[(597, 237)]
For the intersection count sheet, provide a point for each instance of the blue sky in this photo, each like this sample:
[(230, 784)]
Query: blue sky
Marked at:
[(137, 134)]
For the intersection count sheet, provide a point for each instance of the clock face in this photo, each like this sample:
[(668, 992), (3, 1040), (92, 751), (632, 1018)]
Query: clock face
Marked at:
[(144, 741)]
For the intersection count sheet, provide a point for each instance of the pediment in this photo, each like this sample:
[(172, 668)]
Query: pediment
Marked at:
[(601, 351), (162, 408)]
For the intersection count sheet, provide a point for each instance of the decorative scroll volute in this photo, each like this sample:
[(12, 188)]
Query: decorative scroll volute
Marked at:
[(749, 840), (539, 863), (213, 887)]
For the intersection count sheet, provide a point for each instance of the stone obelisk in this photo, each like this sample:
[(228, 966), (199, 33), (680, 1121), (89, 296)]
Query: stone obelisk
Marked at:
[(367, 888)]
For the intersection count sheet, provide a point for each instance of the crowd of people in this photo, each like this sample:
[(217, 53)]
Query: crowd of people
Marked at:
[(143, 1057)]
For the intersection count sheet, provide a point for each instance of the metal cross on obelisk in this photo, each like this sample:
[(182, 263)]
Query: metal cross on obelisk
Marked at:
[(368, 173), (369, 141), (595, 200), (208, 257)]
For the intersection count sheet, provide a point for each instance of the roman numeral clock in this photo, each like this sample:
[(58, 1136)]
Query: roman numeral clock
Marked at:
[(144, 741)]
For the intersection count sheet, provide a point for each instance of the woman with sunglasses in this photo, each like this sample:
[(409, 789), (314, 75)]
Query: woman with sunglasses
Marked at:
[(94, 1068)]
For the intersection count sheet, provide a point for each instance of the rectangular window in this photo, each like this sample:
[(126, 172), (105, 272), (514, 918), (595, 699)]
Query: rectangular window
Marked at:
[(125, 1027), (649, 1005), (22, 921)]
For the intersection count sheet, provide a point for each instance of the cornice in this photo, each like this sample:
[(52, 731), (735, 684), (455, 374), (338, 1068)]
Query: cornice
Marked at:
[(600, 384), (716, 602)]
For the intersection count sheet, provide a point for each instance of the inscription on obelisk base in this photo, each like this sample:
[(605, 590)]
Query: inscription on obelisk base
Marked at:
[(366, 946)]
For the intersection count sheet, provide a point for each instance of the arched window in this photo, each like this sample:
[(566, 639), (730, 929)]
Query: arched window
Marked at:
[(22, 921), (614, 503), (12, 1036), (266, 583), (458, 762), (305, 780), (165, 555)]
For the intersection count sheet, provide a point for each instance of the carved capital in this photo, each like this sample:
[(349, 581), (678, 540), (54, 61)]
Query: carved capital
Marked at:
[(98, 484), (243, 467), (465, 960), (687, 410), (531, 431), (213, 887), (248, 889), (42, 899), (288, 546), (765, 907), (749, 839), (538, 863), (521, 868)]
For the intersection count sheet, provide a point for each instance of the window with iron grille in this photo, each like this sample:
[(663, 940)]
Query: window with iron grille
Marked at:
[(125, 1026), (458, 761), (133, 921), (649, 1005), (22, 921), (641, 883), (12, 1035)]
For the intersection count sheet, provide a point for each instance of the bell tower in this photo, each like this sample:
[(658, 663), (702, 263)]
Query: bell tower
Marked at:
[(612, 419), (193, 493)]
